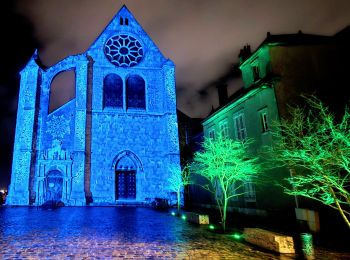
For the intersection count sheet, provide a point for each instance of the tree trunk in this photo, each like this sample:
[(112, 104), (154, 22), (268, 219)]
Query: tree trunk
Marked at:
[(178, 201), (339, 208), (224, 214)]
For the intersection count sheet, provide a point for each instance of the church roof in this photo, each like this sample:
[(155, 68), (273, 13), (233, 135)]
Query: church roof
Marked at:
[(113, 27), (125, 23)]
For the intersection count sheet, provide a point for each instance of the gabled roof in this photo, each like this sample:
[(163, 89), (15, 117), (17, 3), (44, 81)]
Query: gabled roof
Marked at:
[(295, 39), (299, 38), (234, 97), (344, 34), (133, 28), (111, 28)]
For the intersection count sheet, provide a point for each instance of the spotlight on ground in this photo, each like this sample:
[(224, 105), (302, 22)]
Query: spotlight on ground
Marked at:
[(173, 213), (211, 227), (236, 236), (184, 217)]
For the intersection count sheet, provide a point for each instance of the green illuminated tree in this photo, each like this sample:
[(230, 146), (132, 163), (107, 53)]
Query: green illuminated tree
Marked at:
[(226, 165), (316, 146), (178, 180)]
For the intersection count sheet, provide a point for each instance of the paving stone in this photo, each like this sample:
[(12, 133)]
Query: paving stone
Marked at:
[(117, 233)]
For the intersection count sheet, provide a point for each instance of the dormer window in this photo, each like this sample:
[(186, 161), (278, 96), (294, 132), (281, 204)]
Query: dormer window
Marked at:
[(121, 21), (126, 21)]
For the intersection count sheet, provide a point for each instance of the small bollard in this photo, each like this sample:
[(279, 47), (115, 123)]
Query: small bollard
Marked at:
[(307, 246)]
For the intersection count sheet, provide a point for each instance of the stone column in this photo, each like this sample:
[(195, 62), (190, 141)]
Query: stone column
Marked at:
[(170, 112), (173, 153), (97, 107), (22, 152), (40, 169), (170, 95), (78, 194)]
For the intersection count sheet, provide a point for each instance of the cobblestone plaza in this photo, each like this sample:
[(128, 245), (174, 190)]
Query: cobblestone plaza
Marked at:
[(117, 232)]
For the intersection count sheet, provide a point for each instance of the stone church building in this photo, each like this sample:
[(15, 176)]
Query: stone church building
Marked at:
[(113, 139)]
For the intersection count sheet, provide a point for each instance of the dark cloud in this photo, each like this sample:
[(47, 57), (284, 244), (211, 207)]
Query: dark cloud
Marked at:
[(203, 37), (203, 93)]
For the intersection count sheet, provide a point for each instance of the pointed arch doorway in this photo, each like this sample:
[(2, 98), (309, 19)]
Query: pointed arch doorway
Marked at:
[(126, 165), (54, 186)]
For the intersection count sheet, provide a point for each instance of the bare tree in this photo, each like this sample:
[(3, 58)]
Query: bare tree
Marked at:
[(178, 180), (226, 165), (317, 146)]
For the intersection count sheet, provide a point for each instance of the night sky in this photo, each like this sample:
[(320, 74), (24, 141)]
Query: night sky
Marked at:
[(202, 37)]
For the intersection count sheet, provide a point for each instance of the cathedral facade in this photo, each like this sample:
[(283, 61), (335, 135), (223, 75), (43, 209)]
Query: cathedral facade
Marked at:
[(114, 140)]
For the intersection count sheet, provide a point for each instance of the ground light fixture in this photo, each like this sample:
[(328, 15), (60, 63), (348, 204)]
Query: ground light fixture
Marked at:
[(307, 245), (211, 227), (236, 236), (184, 217), (173, 213)]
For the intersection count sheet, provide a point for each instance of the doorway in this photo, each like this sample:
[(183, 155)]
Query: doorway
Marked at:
[(54, 186), (125, 186)]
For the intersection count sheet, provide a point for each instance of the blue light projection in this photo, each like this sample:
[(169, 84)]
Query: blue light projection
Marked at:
[(123, 50), (114, 140), (112, 91)]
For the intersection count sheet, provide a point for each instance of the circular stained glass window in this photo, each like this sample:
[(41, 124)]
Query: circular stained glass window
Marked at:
[(123, 50)]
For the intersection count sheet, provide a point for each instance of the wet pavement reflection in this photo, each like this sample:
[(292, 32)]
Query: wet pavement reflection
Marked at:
[(114, 233)]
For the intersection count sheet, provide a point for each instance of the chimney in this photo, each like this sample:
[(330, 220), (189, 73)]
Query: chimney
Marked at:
[(222, 92), (244, 53)]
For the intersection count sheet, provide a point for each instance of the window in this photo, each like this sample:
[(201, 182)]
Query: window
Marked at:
[(249, 190), (123, 21), (212, 134), (235, 187), (135, 92), (123, 50), (112, 91), (224, 129), (263, 121), (218, 190), (256, 72), (240, 130)]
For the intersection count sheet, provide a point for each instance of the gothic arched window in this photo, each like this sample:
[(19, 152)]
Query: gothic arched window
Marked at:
[(135, 92), (112, 91), (62, 89)]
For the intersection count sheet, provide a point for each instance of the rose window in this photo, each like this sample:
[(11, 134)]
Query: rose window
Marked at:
[(123, 50)]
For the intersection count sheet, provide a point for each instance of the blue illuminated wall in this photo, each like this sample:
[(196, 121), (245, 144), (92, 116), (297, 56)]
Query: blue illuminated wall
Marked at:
[(83, 148)]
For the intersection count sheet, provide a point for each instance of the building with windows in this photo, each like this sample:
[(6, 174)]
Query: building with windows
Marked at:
[(112, 137), (190, 135), (275, 76)]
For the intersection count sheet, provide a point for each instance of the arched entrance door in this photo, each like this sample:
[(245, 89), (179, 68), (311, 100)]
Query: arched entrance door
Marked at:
[(54, 186), (125, 179), (126, 184)]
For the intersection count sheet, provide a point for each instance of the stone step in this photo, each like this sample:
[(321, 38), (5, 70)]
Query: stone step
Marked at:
[(270, 240), (122, 203), (130, 203), (197, 218)]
